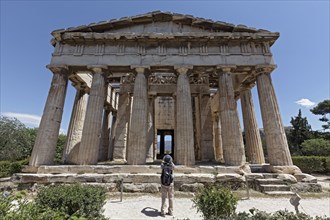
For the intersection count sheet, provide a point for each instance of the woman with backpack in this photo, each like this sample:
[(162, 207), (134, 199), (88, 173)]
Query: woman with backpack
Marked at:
[(167, 185)]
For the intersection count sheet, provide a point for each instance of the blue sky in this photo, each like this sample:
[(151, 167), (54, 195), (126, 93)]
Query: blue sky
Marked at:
[(301, 52)]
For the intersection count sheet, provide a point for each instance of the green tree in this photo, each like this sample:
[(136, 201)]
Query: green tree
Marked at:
[(15, 143), (323, 108), (299, 132), (59, 148), (316, 147)]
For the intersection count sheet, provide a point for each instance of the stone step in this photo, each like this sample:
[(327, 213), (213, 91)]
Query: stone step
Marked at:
[(270, 181), (115, 169), (270, 175), (279, 193), (273, 187)]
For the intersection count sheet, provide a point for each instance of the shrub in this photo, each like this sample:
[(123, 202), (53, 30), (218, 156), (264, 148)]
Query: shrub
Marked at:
[(256, 214), (312, 164), (215, 202), (8, 168), (316, 147), (83, 201)]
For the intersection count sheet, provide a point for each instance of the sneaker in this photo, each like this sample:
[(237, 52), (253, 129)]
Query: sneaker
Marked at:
[(169, 213), (162, 214)]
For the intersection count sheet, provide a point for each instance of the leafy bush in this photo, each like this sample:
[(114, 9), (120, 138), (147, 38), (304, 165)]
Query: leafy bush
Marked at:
[(8, 168), (312, 164), (255, 214), (316, 147), (215, 202), (83, 201)]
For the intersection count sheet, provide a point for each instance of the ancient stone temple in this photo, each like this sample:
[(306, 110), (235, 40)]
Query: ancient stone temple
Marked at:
[(162, 83)]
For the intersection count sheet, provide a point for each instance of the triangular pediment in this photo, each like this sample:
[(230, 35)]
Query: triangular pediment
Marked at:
[(159, 22)]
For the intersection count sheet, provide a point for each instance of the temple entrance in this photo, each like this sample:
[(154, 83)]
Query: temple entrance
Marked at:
[(165, 143)]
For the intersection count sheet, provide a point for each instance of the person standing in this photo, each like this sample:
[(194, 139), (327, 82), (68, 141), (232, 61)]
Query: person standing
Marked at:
[(167, 185)]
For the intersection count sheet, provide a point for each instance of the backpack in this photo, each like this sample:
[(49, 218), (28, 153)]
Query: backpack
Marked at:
[(167, 176)]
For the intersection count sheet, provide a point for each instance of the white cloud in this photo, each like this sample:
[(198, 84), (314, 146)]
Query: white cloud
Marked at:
[(305, 103), (27, 119)]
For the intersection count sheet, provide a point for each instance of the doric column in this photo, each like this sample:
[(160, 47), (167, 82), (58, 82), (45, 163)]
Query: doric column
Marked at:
[(277, 145), (207, 150), (90, 141), (232, 140), (254, 151), (137, 139), (217, 137), (105, 137), (151, 130), (44, 148), (74, 135), (121, 126), (184, 147)]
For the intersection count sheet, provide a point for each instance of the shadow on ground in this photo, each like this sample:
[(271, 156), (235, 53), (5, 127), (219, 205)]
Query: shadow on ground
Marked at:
[(151, 212)]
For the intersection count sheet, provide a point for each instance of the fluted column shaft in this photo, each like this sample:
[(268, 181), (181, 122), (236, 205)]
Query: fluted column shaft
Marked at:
[(151, 130), (45, 145), (207, 149), (277, 145), (217, 138), (232, 140), (74, 135), (137, 140), (89, 147), (254, 151), (112, 135), (184, 147), (121, 127), (105, 137)]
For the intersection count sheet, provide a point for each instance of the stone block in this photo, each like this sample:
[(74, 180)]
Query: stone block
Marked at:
[(194, 178), (30, 178), (285, 169), (152, 187), (113, 178), (129, 187), (287, 178), (62, 178), (304, 177), (191, 187), (89, 177), (306, 187), (231, 177)]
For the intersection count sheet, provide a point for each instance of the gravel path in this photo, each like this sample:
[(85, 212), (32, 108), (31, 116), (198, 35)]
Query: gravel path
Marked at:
[(147, 207)]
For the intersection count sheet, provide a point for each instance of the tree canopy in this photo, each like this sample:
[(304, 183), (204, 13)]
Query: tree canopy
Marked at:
[(323, 108)]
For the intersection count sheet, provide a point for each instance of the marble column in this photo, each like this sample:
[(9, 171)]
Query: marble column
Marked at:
[(217, 137), (151, 130), (121, 126), (277, 145), (43, 152), (105, 137), (91, 136), (137, 136), (207, 150), (74, 135), (232, 140), (184, 146), (253, 147)]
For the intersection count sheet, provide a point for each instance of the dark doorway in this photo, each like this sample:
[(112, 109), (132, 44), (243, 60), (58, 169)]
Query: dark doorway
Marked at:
[(165, 143)]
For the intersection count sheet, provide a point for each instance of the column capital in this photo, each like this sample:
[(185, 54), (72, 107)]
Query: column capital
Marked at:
[(58, 68), (184, 69), (97, 68), (226, 68), (259, 69), (140, 69)]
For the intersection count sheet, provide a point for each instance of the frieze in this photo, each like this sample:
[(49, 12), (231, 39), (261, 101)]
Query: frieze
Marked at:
[(174, 48), (199, 80), (158, 78), (128, 79)]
